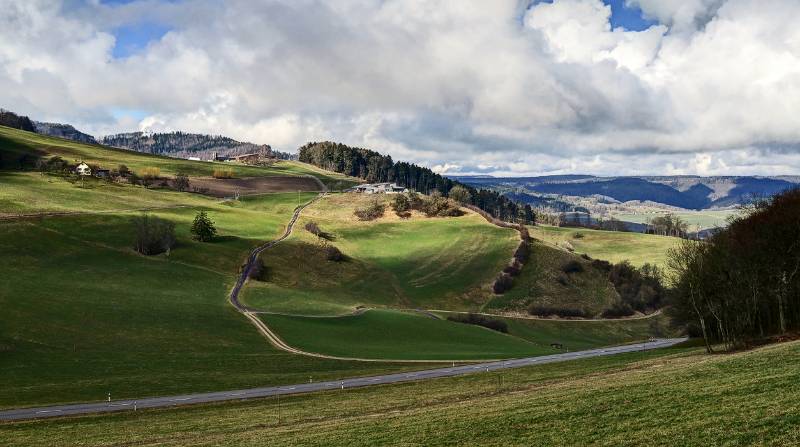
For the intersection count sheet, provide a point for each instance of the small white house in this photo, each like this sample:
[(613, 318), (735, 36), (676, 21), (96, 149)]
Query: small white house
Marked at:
[(379, 188), (83, 169)]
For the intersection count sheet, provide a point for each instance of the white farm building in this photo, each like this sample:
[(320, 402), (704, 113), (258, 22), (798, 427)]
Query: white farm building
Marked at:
[(379, 188)]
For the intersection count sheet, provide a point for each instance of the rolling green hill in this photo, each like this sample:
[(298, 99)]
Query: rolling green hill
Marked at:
[(542, 282), (412, 263), (613, 246), (15, 143), (674, 396), (85, 315)]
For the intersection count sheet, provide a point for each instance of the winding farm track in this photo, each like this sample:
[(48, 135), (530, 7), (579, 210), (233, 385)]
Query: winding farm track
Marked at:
[(269, 334)]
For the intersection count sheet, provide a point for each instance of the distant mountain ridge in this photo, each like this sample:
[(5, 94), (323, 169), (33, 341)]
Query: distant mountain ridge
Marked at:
[(185, 145), (688, 192)]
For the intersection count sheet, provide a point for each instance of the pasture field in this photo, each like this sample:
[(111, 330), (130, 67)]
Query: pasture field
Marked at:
[(381, 334), (576, 335), (660, 397), (697, 220), (612, 246), (84, 315), (407, 263), (15, 143)]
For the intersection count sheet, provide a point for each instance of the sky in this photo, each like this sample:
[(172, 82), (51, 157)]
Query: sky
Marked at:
[(507, 87)]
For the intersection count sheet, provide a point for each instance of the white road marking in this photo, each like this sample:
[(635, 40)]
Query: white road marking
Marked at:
[(47, 411)]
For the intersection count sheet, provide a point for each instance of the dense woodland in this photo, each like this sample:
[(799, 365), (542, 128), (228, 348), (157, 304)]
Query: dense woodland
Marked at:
[(374, 168), (11, 119), (182, 144), (743, 283)]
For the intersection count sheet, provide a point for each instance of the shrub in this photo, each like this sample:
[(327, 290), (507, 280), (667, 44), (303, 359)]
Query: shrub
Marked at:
[(414, 200), (401, 205), (562, 279), (578, 235), (618, 310), (181, 182), (203, 228), (546, 311), (438, 206), (601, 265), (460, 194), (223, 173), (502, 283), (372, 211), (480, 320), (523, 252), (149, 173), (314, 229), (514, 269), (334, 254), (640, 289), (258, 272), (123, 170), (572, 267), (153, 235)]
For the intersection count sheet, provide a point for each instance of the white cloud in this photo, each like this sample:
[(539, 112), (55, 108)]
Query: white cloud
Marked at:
[(468, 84)]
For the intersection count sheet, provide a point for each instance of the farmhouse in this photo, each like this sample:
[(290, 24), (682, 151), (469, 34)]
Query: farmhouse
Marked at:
[(379, 188), (83, 169)]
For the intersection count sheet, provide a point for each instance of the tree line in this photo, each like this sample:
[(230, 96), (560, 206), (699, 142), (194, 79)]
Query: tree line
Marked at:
[(374, 167), (743, 283)]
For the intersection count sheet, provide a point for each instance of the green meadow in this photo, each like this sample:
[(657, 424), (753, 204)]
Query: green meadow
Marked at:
[(613, 246), (697, 220), (381, 334), (675, 396), (446, 263), (84, 315)]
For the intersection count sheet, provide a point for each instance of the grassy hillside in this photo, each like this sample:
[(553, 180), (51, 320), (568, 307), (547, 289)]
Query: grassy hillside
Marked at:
[(413, 263), (613, 246), (398, 335), (667, 397), (575, 335), (84, 315), (543, 283), (15, 143), (697, 220)]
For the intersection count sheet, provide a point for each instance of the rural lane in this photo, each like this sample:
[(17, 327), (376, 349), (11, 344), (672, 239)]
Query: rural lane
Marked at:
[(187, 399)]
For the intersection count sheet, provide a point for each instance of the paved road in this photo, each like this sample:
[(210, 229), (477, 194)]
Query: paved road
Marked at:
[(171, 401)]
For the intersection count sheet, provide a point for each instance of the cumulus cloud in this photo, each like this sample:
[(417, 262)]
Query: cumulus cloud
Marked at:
[(464, 86)]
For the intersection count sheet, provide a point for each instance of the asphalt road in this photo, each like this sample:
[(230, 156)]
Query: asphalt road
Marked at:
[(171, 401)]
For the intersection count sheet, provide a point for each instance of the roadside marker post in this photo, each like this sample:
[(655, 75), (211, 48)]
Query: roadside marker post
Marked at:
[(109, 397)]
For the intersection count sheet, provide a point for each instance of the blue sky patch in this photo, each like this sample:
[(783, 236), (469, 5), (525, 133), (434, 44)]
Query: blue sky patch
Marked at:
[(135, 37), (629, 18)]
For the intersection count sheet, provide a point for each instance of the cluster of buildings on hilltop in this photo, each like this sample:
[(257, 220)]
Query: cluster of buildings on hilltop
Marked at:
[(379, 188)]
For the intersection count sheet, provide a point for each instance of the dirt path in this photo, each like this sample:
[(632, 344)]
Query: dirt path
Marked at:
[(269, 334)]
